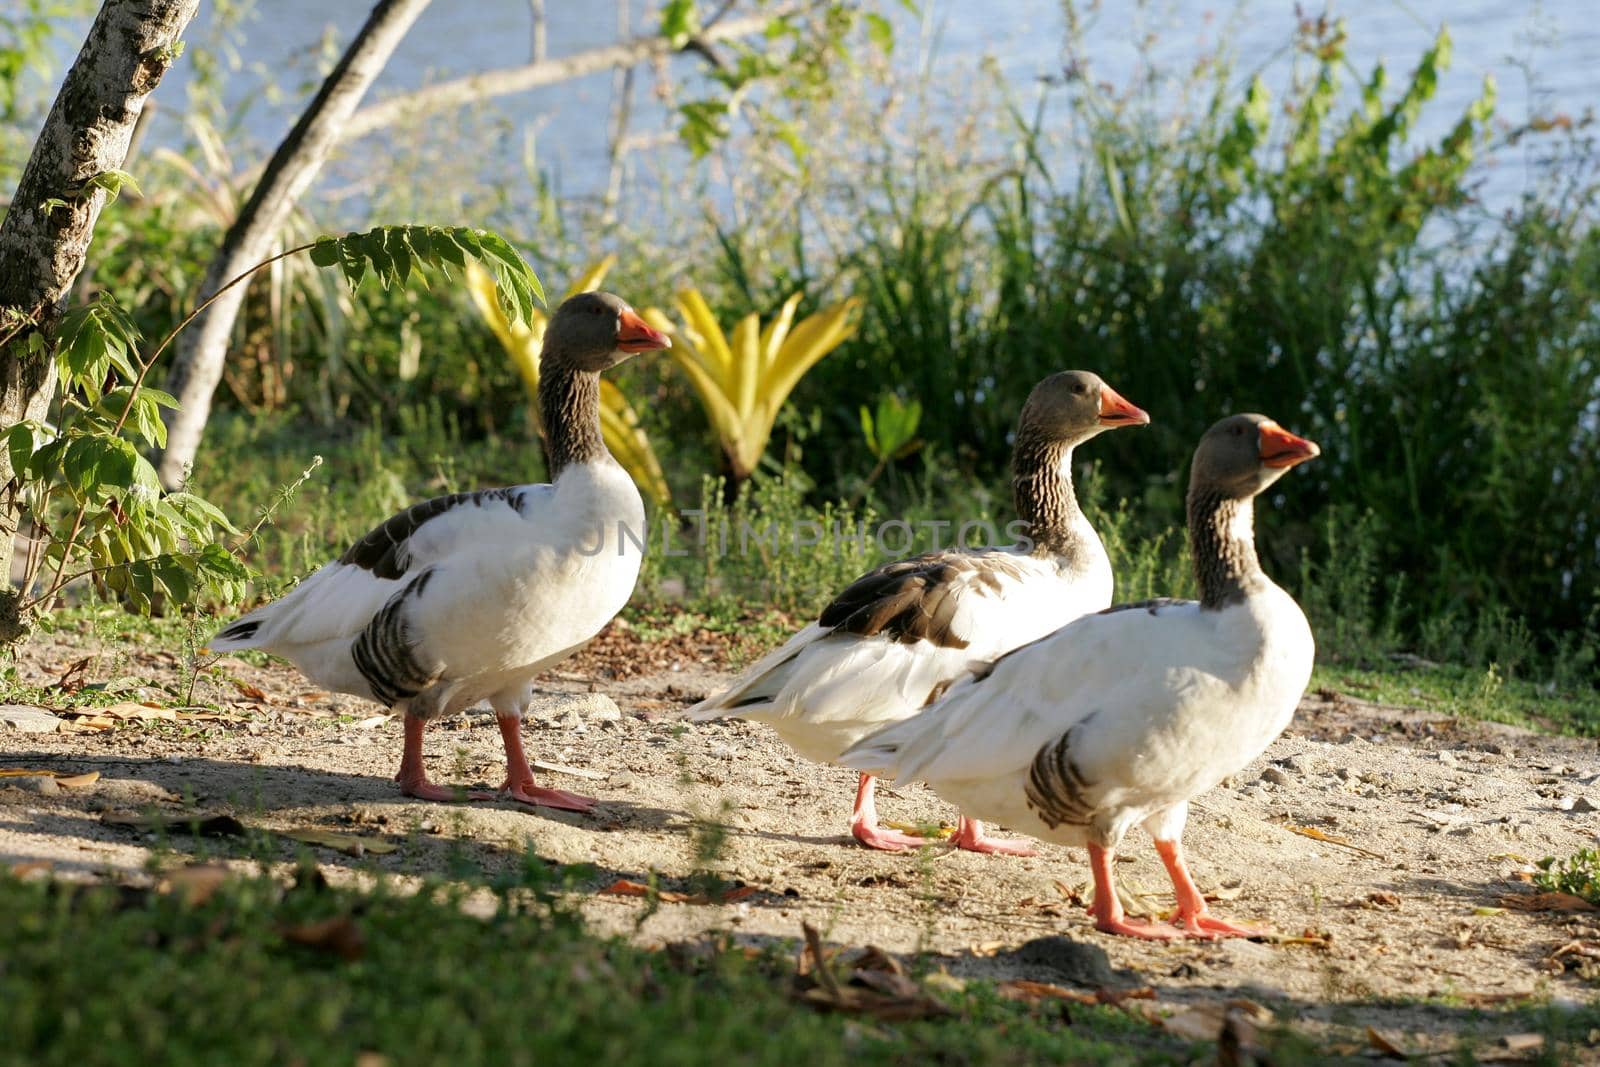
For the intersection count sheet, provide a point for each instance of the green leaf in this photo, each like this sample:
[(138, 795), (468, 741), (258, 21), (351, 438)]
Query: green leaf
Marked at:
[(679, 21), (325, 253), (880, 32), (112, 181)]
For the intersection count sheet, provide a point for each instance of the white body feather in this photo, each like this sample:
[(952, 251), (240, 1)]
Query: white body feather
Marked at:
[(1161, 705), (510, 592), (823, 691)]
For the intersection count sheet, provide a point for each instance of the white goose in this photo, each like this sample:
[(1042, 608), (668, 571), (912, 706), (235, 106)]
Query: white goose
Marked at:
[(913, 625), (468, 597), (1120, 718)]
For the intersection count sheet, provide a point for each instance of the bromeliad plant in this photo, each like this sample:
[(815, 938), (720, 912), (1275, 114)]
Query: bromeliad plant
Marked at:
[(522, 340), (742, 384), (96, 507)]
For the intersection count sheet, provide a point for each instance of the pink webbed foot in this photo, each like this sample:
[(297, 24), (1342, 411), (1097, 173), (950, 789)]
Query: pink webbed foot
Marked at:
[(528, 793), (864, 823), (417, 785), (969, 835), (1126, 927), (871, 835), (1207, 927)]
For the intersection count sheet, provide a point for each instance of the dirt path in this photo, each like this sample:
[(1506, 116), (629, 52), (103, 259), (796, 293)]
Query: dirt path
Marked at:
[(1399, 927)]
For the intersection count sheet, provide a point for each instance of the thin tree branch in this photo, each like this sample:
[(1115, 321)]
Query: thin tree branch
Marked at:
[(452, 94)]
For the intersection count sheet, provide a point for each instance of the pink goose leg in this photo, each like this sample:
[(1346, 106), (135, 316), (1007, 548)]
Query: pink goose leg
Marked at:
[(519, 776), (864, 823), (1107, 909), (970, 836), (1193, 915), (413, 778)]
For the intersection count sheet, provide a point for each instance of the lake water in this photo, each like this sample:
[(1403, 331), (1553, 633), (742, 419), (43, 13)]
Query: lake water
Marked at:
[(1545, 57)]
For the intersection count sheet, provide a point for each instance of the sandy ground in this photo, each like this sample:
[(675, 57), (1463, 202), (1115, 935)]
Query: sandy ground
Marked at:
[(1402, 926)]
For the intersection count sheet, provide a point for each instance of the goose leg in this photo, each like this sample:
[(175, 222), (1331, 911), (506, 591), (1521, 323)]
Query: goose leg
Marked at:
[(864, 823), (1107, 908), (970, 836), (519, 783), (1195, 918), (413, 778)]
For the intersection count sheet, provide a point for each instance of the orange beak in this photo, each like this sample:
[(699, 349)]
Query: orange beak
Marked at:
[(1115, 411), (636, 335), (1280, 448)]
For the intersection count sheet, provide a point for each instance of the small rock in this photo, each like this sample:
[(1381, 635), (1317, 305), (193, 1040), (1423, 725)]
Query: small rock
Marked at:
[(1275, 775), (42, 784), (1250, 953), (1352, 739), (28, 719), (623, 780), (1582, 806), (1063, 959), (569, 709), (721, 752), (1447, 757)]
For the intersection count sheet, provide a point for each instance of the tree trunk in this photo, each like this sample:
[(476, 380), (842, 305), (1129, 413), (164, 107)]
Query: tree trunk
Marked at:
[(42, 249), (203, 348)]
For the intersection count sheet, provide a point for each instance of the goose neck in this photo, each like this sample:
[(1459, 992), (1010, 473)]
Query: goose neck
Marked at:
[(1045, 501), (1223, 546), (569, 412)]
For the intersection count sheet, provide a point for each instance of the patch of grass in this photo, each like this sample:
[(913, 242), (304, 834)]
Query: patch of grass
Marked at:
[(106, 975), (1578, 874), (1472, 692)]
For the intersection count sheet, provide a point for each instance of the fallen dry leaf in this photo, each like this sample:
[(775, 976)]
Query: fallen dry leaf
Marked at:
[(196, 883), (31, 869), (1034, 992), (66, 781), (248, 691), (1208, 1022), (205, 826), (372, 722), (1549, 901), (1310, 938), (1386, 1043), (1381, 898), (349, 844), (339, 935), (1317, 835), (1225, 892), (575, 772), (1522, 1042)]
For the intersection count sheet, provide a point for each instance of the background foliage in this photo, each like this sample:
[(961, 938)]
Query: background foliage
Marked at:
[(1293, 248)]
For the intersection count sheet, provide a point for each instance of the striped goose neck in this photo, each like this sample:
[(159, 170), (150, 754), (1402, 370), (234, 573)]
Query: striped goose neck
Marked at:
[(1223, 545), (1041, 484), (569, 412)]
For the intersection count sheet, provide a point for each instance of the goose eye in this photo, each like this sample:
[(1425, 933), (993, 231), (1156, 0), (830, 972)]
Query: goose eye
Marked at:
[(1238, 430)]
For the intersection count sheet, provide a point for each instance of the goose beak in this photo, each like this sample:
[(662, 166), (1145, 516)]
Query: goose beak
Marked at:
[(1115, 411), (1280, 448), (636, 335)]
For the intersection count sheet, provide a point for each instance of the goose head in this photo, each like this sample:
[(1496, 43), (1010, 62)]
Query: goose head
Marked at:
[(1241, 455), (595, 331), (1074, 405)]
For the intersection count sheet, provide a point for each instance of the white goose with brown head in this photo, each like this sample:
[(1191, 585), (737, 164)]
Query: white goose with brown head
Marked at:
[(468, 597), (1120, 718), (912, 626)]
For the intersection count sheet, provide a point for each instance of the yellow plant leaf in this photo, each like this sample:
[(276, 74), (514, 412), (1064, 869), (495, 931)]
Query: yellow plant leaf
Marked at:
[(746, 365), (777, 331), (706, 336), (591, 278)]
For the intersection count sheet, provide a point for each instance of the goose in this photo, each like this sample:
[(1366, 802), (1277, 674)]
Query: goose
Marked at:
[(915, 624), (1122, 717), (467, 597)]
